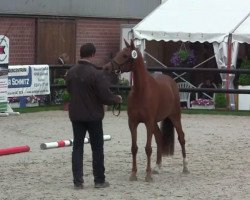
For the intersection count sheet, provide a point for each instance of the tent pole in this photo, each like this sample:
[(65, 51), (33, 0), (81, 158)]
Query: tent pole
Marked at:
[(229, 62), (238, 25), (229, 56)]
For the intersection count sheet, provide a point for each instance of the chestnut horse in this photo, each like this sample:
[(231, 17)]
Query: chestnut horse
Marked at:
[(150, 100)]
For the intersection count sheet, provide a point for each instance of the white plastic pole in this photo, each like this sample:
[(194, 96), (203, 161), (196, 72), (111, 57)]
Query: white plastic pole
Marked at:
[(106, 137)]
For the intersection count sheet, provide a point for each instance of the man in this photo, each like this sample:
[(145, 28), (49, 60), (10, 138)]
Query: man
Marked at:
[(89, 91)]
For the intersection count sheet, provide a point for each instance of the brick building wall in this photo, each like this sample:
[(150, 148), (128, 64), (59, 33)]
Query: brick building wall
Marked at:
[(21, 33), (104, 33)]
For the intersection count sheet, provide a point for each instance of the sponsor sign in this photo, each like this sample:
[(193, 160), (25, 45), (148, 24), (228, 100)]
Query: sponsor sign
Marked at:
[(27, 80)]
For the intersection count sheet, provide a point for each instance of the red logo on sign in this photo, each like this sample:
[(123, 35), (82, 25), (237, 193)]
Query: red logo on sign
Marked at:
[(2, 49)]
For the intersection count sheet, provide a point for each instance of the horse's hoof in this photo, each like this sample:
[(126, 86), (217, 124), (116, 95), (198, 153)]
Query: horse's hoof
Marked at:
[(133, 178), (149, 179), (157, 169)]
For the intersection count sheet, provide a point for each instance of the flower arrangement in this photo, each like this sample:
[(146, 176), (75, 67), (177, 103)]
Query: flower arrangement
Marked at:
[(13, 99), (202, 102), (183, 57), (29, 99), (33, 99)]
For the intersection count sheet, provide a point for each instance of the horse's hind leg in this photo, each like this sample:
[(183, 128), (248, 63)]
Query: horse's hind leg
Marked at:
[(181, 138), (148, 149), (134, 148)]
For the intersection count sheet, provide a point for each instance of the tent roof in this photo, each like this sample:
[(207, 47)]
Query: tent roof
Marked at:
[(196, 20)]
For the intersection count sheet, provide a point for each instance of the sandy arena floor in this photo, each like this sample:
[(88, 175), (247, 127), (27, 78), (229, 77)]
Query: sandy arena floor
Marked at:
[(217, 149)]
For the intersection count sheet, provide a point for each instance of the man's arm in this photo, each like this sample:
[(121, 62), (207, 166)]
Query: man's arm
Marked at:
[(103, 91)]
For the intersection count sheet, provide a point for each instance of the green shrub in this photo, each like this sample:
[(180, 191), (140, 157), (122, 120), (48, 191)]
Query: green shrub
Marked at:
[(220, 100), (59, 81), (65, 96), (244, 79)]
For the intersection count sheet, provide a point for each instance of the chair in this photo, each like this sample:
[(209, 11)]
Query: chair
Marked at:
[(185, 96), (211, 97)]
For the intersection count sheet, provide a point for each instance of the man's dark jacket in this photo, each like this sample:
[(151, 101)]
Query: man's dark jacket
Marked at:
[(89, 91)]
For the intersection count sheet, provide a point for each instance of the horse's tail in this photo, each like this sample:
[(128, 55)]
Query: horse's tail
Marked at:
[(167, 130)]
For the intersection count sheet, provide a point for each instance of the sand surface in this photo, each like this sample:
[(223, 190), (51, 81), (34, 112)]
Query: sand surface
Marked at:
[(218, 151)]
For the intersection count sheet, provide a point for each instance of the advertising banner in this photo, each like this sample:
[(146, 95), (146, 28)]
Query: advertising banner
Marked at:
[(4, 61), (28, 80)]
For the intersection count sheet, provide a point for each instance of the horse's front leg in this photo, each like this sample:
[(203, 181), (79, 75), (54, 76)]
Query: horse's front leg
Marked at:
[(158, 139), (148, 150), (134, 148)]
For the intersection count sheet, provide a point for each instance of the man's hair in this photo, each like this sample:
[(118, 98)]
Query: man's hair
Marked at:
[(87, 50)]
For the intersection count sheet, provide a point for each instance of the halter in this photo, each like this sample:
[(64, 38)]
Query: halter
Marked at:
[(62, 61), (117, 67)]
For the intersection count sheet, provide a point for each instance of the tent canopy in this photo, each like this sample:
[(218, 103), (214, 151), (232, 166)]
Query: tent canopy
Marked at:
[(197, 21)]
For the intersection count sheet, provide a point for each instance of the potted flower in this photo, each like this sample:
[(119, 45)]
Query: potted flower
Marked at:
[(14, 102), (183, 58), (202, 104), (32, 101), (244, 83)]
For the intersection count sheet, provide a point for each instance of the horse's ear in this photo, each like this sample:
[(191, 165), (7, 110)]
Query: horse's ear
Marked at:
[(126, 43), (132, 45)]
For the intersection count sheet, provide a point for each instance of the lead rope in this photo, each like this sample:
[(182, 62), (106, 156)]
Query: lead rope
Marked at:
[(117, 106)]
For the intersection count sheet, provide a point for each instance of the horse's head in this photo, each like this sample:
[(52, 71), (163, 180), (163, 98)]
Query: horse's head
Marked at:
[(124, 59)]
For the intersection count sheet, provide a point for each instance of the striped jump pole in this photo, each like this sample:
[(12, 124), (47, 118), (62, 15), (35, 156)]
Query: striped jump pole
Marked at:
[(58, 144), (66, 143), (14, 150)]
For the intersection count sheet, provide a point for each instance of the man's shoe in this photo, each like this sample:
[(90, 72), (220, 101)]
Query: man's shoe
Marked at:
[(102, 185), (78, 186)]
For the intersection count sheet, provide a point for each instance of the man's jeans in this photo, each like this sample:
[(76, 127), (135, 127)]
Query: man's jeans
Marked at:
[(96, 141)]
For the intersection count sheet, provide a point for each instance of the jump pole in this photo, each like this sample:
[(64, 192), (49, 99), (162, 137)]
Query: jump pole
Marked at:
[(59, 144), (106, 137), (66, 143), (13, 150)]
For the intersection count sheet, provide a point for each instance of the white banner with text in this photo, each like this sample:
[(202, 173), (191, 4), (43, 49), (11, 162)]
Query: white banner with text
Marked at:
[(27, 80)]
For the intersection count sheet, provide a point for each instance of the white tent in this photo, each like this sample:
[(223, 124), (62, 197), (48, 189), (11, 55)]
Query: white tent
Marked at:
[(196, 20), (225, 23)]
